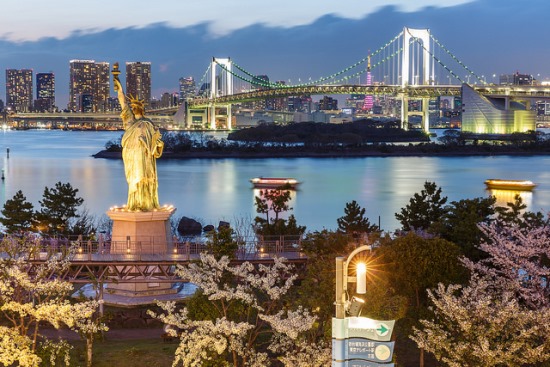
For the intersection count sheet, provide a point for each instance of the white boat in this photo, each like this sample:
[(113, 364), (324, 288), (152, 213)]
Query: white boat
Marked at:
[(274, 182), (521, 185)]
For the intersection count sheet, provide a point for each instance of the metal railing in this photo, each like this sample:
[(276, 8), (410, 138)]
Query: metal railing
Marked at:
[(149, 249)]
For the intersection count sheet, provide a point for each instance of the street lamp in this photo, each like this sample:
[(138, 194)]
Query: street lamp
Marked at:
[(357, 340), (342, 279)]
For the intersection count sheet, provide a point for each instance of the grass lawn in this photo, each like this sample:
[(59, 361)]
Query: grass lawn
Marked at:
[(126, 353)]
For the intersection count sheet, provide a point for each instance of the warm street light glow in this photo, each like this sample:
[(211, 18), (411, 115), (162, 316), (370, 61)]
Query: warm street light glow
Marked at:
[(361, 271)]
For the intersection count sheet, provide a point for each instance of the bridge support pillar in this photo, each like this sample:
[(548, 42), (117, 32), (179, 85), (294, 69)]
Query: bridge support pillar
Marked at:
[(212, 117), (405, 112), (426, 115)]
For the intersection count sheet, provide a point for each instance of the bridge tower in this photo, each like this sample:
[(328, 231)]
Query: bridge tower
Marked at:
[(412, 74), (220, 85)]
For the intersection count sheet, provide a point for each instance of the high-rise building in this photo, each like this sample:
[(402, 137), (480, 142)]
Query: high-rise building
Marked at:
[(138, 81), (260, 82), (45, 92), (19, 90), (188, 88), (89, 86), (328, 103), (102, 90)]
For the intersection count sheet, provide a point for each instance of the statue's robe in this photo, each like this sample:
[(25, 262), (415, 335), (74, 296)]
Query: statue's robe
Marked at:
[(141, 146)]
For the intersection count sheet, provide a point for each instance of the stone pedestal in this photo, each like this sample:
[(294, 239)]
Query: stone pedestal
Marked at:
[(140, 236)]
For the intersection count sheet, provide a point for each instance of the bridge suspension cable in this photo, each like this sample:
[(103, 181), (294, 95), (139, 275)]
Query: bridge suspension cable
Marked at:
[(456, 59), (387, 63)]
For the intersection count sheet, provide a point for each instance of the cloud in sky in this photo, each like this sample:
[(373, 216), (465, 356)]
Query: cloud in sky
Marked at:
[(61, 18)]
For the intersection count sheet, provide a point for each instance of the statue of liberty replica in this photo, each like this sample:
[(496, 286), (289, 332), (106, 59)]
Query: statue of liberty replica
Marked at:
[(141, 146), (141, 228)]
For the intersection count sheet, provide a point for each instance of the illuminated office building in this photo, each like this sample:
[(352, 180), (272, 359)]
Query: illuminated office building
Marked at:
[(188, 88), (45, 92), (89, 86), (485, 115), (138, 81), (19, 90)]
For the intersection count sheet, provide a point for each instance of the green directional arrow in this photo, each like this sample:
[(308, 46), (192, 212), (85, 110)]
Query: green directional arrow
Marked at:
[(382, 329)]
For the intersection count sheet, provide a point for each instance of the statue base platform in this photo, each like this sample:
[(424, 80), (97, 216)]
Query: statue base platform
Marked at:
[(139, 234)]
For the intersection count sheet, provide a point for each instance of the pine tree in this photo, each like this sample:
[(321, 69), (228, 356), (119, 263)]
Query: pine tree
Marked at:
[(423, 210), (18, 214), (59, 206), (354, 220)]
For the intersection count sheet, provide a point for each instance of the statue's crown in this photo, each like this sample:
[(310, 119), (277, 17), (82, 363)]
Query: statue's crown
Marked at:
[(136, 101)]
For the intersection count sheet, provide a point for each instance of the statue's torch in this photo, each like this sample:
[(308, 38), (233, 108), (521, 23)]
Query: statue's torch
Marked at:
[(116, 73)]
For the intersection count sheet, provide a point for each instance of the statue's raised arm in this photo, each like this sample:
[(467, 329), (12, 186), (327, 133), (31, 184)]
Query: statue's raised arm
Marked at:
[(141, 146)]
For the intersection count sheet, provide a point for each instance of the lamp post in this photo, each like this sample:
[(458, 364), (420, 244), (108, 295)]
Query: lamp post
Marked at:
[(358, 340), (342, 279)]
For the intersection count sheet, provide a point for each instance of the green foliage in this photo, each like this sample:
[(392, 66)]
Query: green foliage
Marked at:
[(514, 214), (275, 201), (416, 264), (59, 206), (114, 145), (18, 214), (354, 220), (460, 224), (423, 210), (221, 243)]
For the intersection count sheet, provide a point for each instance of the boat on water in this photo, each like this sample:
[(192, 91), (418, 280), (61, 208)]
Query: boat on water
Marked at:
[(520, 185), (274, 182)]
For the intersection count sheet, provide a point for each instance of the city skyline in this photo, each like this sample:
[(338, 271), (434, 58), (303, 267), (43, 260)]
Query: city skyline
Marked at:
[(283, 49)]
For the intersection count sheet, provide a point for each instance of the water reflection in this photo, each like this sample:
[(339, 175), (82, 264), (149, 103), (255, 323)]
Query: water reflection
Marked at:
[(219, 189), (509, 196)]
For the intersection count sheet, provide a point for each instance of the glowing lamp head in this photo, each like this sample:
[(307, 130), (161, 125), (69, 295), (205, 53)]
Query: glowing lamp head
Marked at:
[(361, 273)]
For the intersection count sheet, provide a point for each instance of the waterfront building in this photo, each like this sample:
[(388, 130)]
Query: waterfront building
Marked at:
[(89, 86), (188, 88), (45, 92), (19, 90), (328, 103), (138, 81), (485, 115), (102, 87), (516, 79)]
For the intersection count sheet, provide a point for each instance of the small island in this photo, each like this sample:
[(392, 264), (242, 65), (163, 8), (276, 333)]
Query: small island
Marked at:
[(358, 139)]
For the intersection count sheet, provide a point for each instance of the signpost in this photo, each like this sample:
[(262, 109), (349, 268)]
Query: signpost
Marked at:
[(362, 342), (358, 341)]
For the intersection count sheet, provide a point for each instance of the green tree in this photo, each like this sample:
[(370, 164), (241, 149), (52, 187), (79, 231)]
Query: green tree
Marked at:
[(59, 206), (18, 214), (221, 243), (275, 201), (460, 224), (415, 264), (354, 220), (423, 210)]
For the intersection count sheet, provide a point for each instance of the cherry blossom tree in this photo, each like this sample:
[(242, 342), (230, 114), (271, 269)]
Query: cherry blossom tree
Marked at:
[(30, 299), (501, 317), (245, 320), (479, 325)]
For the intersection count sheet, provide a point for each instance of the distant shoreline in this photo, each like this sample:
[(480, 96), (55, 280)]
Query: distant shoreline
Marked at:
[(328, 154)]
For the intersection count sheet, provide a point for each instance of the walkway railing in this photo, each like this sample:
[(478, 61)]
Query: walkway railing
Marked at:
[(106, 249)]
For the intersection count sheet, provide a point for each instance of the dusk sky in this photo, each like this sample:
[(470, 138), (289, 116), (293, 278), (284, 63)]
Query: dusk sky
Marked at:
[(283, 39)]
